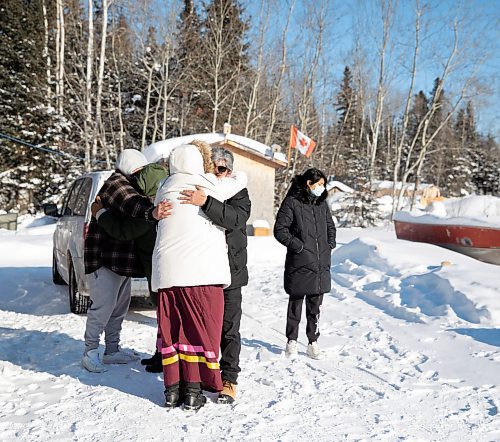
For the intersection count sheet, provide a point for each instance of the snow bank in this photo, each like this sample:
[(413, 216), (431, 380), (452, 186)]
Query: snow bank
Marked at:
[(482, 211)]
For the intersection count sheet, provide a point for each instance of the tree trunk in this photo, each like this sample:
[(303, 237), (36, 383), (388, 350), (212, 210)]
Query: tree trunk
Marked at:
[(406, 114), (101, 133), (46, 54), (119, 95), (61, 58), (281, 76), (252, 99), (88, 87), (146, 110), (381, 92)]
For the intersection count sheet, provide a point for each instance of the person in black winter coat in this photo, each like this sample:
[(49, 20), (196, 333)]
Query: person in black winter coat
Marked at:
[(304, 225), (232, 215)]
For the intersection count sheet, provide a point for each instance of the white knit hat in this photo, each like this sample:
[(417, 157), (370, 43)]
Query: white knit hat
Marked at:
[(130, 161)]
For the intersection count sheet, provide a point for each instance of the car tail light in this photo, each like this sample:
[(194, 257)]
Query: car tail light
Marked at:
[(85, 230)]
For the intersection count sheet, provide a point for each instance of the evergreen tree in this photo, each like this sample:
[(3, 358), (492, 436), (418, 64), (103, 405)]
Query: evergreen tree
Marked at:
[(187, 73), (486, 167), (76, 26), (463, 138), (352, 161), (360, 209), (440, 162), (124, 83), (419, 110), (25, 112), (225, 61)]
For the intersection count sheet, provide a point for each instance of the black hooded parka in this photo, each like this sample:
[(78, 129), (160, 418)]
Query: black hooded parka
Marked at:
[(233, 216), (304, 225)]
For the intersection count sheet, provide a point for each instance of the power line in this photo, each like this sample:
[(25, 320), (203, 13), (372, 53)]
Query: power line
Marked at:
[(45, 149)]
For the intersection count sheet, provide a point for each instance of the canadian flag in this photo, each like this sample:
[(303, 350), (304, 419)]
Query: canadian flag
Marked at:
[(302, 142)]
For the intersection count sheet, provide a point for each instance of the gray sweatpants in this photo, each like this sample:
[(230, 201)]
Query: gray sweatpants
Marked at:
[(110, 295)]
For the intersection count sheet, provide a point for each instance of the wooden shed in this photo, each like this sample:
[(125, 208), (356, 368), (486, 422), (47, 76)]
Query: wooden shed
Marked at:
[(256, 159)]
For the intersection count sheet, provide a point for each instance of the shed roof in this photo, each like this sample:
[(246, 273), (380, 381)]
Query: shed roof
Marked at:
[(341, 186)]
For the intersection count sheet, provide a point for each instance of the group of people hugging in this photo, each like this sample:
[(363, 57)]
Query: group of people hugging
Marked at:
[(183, 226)]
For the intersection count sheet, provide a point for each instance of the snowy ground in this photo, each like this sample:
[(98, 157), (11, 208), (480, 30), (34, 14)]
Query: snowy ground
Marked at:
[(412, 352)]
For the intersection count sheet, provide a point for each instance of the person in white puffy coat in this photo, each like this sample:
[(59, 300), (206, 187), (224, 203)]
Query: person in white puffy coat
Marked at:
[(190, 270)]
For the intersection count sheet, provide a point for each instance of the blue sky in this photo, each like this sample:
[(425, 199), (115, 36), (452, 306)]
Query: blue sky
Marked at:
[(478, 43)]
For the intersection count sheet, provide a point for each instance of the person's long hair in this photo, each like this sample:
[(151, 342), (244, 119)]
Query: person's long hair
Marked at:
[(312, 174), (299, 187)]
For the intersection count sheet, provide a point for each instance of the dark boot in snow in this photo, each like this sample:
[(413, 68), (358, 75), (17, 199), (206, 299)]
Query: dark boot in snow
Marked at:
[(155, 359), (156, 366), (193, 402), (194, 398), (173, 396)]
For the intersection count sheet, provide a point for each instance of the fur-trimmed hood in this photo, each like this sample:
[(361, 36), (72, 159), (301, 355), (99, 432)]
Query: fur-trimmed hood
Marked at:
[(302, 194)]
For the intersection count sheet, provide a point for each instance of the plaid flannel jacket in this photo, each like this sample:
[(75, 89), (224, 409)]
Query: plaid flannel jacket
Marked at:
[(100, 249)]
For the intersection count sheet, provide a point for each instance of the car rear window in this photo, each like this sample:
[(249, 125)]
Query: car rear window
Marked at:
[(69, 207), (82, 200)]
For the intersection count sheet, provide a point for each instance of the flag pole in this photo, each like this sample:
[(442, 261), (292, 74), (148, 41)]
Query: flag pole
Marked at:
[(290, 146)]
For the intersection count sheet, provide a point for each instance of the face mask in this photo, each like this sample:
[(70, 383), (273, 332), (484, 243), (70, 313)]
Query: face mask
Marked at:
[(318, 190)]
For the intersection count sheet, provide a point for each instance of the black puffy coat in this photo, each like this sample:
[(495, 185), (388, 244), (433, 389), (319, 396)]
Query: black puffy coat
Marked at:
[(305, 227), (233, 215)]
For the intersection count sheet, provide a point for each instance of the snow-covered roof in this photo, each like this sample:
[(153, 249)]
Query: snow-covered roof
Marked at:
[(162, 149), (378, 185), (343, 187)]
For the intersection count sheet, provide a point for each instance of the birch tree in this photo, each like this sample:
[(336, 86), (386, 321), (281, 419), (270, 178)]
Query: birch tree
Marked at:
[(407, 106), (387, 14), (423, 135), (116, 65), (257, 77), (224, 31), (88, 124), (100, 131), (276, 98), (46, 53), (306, 82), (60, 42)]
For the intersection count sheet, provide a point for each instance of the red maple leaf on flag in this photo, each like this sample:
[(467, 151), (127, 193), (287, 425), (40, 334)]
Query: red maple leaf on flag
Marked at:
[(302, 142)]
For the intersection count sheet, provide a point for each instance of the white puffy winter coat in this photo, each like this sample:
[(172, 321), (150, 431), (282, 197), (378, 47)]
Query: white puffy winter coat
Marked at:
[(190, 250)]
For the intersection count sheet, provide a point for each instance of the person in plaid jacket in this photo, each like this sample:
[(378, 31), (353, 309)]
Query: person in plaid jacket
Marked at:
[(109, 265)]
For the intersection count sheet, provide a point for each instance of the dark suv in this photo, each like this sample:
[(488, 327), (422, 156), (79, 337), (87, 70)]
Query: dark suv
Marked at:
[(69, 236)]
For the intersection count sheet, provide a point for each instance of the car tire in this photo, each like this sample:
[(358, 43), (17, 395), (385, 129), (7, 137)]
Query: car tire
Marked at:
[(56, 277), (78, 303)]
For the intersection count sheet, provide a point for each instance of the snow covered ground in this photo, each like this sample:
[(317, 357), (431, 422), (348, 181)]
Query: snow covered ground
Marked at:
[(411, 352)]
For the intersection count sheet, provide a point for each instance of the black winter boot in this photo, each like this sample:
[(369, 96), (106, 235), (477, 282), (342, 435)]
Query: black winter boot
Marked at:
[(194, 398), (153, 360), (172, 396), (156, 366)]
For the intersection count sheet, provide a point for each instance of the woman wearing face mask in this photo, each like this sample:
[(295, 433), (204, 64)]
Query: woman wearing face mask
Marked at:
[(305, 227)]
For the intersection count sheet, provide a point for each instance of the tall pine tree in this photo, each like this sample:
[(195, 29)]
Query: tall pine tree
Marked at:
[(25, 112)]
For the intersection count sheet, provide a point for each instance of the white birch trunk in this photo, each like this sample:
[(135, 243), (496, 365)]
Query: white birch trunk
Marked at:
[(146, 110), (381, 92), (61, 59), (58, 53), (425, 138), (252, 101), (281, 76), (100, 132), (46, 54), (406, 114), (88, 87), (119, 98)]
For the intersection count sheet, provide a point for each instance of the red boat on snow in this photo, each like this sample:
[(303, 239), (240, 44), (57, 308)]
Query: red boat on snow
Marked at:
[(481, 242)]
